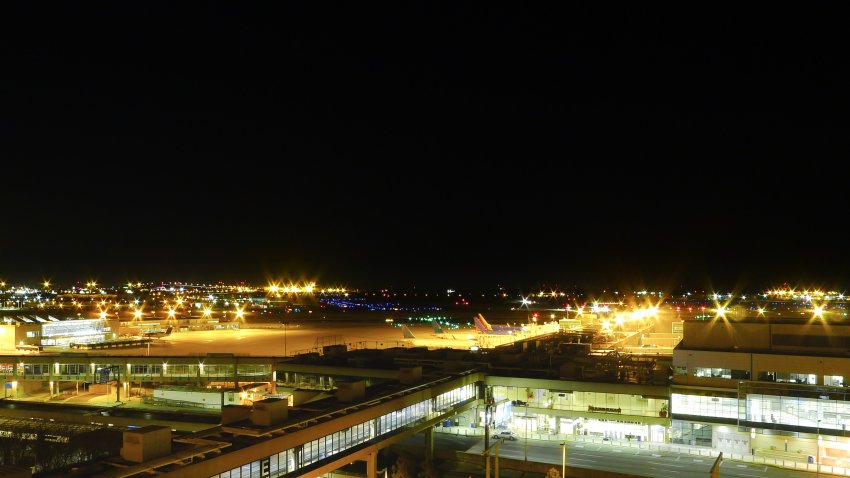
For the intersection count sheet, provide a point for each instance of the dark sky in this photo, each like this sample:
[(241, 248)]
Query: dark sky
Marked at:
[(422, 144)]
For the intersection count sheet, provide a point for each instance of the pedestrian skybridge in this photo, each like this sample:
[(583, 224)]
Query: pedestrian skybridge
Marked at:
[(325, 441)]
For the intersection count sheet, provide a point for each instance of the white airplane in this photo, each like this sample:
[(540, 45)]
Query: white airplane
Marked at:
[(441, 340), (158, 335)]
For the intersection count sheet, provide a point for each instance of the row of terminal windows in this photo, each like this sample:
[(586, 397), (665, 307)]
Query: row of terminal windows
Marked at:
[(780, 377), (804, 378), (176, 370), (293, 459), (708, 372)]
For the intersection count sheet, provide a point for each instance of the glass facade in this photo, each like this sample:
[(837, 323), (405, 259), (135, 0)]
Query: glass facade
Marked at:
[(290, 460), (688, 433), (614, 415), (798, 411), (73, 331), (704, 406), (617, 403)]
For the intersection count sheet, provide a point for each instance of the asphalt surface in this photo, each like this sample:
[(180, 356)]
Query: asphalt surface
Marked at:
[(623, 459)]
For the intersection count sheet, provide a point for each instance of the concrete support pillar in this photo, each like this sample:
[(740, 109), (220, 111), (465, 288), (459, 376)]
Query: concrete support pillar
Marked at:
[(236, 376), (496, 470), (429, 444), (372, 465)]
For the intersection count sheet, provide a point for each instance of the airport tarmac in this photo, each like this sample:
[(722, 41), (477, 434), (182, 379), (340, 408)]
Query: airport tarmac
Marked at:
[(274, 340)]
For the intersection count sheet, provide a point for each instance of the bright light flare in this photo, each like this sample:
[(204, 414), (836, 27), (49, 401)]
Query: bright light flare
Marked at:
[(137, 314), (818, 312)]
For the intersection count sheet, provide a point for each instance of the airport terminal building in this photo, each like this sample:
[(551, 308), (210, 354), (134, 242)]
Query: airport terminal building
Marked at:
[(768, 388), (313, 413), (764, 389)]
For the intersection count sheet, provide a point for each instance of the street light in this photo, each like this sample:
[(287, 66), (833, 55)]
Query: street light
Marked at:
[(563, 460), (820, 440)]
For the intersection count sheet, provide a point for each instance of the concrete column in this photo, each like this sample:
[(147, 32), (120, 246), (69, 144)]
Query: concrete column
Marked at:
[(372, 465), (496, 467), (429, 443), (236, 376)]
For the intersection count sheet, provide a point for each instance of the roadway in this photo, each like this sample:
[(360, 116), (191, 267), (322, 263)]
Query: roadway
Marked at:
[(623, 459)]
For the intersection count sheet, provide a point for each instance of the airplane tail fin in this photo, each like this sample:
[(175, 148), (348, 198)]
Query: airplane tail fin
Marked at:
[(168, 330), (438, 329), (407, 333), (480, 326), (485, 323)]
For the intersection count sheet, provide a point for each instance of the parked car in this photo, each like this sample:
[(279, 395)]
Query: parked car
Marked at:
[(518, 403), (506, 435)]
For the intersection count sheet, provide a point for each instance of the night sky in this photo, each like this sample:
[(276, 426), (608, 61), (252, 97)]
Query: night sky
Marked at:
[(422, 145)]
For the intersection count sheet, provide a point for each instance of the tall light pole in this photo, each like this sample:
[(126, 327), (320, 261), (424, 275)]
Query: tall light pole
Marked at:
[(820, 440), (563, 460)]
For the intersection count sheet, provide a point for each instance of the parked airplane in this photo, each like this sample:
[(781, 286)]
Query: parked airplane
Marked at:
[(485, 328), (159, 335), (440, 340)]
